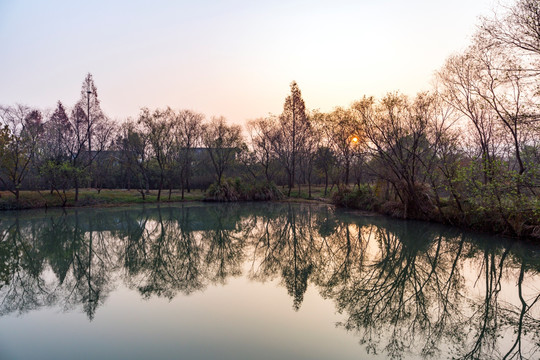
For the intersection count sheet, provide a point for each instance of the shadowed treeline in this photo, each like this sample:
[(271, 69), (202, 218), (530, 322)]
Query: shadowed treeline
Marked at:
[(402, 287)]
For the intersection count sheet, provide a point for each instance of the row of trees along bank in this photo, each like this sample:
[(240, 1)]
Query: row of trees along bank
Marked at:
[(467, 152)]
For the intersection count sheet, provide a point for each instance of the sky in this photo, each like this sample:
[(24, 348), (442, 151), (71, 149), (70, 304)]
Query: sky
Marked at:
[(229, 58)]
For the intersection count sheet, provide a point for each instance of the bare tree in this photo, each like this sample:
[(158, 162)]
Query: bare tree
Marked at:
[(262, 131), (308, 155), (136, 155), (55, 129), (397, 134), (498, 95), (20, 144), (518, 26), (293, 127), (187, 135), (77, 142), (506, 94), (343, 130), (325, 161), (222, 143), (94, 121), (458, 79), (158, 128)]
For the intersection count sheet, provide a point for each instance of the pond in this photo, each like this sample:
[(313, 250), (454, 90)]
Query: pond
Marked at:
[(260, 281)]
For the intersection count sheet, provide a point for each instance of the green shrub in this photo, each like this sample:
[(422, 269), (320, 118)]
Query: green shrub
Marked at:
[(228, 190), (236, 190), (362, 197), (264, 191)]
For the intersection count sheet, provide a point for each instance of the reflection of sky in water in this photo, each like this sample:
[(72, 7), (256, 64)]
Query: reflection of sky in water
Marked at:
[(239, 304), (241, 320)]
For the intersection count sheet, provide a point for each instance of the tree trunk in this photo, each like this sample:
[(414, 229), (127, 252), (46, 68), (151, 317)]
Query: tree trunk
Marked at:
[(325, 182), (147, 184), (333, 184), (347, 167), (289, 191), (76, 189), (187, 174)]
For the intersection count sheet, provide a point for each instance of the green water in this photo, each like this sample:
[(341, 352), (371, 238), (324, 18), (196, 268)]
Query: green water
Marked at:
[(260, 281)]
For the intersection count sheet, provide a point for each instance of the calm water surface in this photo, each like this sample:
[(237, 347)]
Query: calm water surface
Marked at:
[(260, 281)]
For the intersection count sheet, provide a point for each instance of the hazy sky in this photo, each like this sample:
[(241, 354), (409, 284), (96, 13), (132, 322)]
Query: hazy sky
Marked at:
[(231, 58)]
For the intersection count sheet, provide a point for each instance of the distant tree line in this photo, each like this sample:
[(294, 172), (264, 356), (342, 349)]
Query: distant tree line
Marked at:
[(468, 151)]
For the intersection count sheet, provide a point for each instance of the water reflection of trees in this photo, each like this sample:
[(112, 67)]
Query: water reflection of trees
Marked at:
[(163, 256), (284, 244), (504, 270), (403, 287), (410, 294), (183, 249), (57, 259)]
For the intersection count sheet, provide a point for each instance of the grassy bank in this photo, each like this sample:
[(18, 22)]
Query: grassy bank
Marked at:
[(361, 198), (511, 215), (90, 197), (119, 197)]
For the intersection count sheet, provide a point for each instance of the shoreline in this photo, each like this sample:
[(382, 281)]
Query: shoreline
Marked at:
[(107, 198), (112, 198)]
